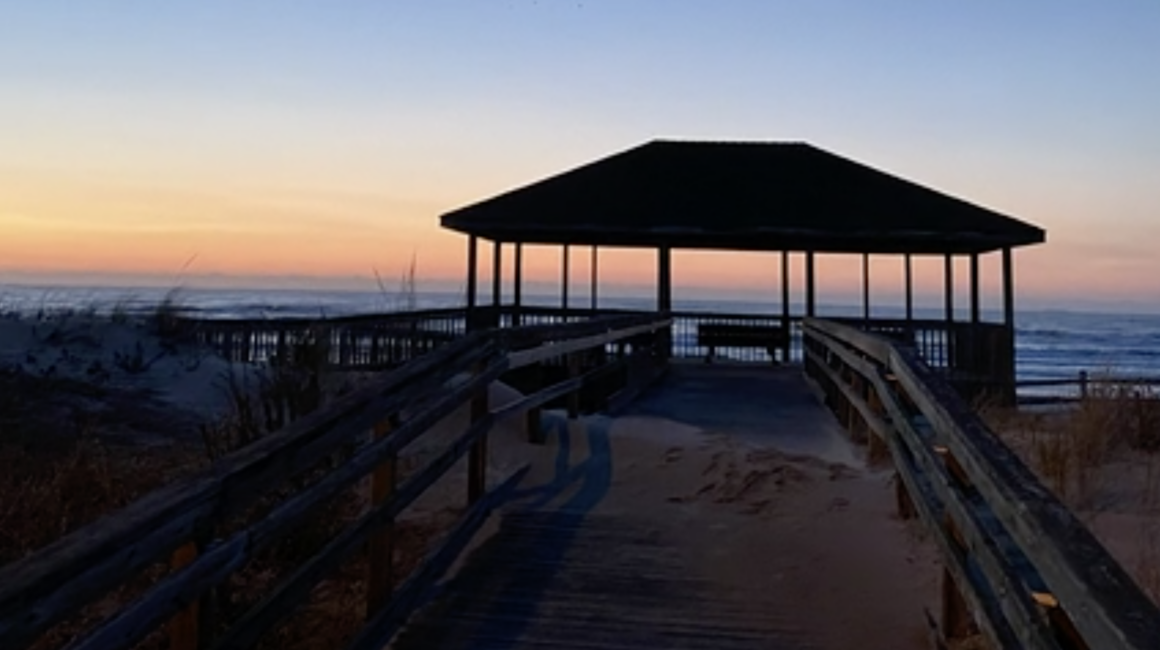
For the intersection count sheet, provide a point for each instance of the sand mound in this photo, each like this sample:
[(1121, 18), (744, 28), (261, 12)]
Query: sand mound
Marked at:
[(117, 375)]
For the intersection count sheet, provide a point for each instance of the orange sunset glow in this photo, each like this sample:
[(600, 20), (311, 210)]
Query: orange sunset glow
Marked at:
[(341, 167)]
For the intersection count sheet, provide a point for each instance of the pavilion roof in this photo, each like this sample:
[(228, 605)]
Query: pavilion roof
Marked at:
[(739, 196)]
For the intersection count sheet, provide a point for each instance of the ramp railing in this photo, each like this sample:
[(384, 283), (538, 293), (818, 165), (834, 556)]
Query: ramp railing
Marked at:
[(1018, 563)]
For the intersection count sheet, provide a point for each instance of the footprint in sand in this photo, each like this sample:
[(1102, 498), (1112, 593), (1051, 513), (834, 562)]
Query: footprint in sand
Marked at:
[(839, 503), (674, 454)]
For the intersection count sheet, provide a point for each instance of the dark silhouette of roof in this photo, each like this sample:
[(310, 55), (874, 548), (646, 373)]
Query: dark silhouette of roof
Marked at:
[(742, 196)]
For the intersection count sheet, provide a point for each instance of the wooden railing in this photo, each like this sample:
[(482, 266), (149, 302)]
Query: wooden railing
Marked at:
[(193, 524), (367, 342), (1017, 561), (1084, 385), (977, 358)]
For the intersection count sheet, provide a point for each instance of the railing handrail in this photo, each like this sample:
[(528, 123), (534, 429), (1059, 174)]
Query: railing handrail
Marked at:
[(308, 321), (1107, 608), (45, 587)]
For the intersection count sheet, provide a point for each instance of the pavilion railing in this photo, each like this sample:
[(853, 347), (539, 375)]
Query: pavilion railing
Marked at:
[(977, 358)]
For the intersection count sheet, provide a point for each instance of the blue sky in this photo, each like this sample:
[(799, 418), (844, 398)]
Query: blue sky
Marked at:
[(121, 119)]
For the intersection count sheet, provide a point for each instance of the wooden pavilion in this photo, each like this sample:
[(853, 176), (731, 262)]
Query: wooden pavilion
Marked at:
[(789, 198)]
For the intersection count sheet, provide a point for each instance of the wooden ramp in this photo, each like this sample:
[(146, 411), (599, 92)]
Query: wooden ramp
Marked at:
[(570, 581)]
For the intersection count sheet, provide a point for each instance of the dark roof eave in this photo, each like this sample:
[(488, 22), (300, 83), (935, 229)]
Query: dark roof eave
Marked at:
[(759, 239)]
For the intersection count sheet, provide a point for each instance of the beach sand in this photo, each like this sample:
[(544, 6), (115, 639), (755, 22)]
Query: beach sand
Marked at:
[(114, 378)]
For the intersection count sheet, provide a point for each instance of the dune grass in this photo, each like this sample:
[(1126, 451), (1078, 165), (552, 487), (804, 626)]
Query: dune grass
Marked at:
[(1100, 455)]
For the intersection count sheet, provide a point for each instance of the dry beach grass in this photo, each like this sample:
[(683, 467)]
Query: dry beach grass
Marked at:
[(97, 409), (1102, 458)]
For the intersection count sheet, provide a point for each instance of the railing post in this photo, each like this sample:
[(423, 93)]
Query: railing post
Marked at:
[(281, 353), (902, 498), (477, 457), (191, 628), (877, 448), (956, 620), (246, 334), (534, 421), (573, 361), (381, 546)]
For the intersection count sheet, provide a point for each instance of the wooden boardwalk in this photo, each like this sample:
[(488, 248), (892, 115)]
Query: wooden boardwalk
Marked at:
[(594, 564), (562, 580)]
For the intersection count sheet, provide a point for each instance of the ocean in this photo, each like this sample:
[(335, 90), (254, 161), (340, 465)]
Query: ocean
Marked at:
[(1050, 344)]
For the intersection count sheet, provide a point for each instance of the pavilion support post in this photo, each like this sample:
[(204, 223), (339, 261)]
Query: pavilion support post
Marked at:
[(1009, 322), (472, 263), (497, 276), (785, 304), (1008, 289), (517, 283), (593, 269), (949, 308), (564, 280), (664, 279), (811, 304), (665, 296), (975, 346), (909, 280), (975, 289), (866, 287)]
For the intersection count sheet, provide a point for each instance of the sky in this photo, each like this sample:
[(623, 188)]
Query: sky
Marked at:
[(307, 143)]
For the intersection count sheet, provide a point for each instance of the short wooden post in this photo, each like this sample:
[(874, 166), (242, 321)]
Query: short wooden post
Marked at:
[(877, 449), (956, 619), (573, 362), (282, 346), (192, 627), (247, 334), (381, 545), (477, 457), (185, 629), (902, 498), (534, 419)]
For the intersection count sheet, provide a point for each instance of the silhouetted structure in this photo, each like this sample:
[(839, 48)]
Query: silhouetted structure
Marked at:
[(781, 197)]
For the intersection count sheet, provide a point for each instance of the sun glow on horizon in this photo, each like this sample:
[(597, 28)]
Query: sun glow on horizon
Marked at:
[(324, 142)]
